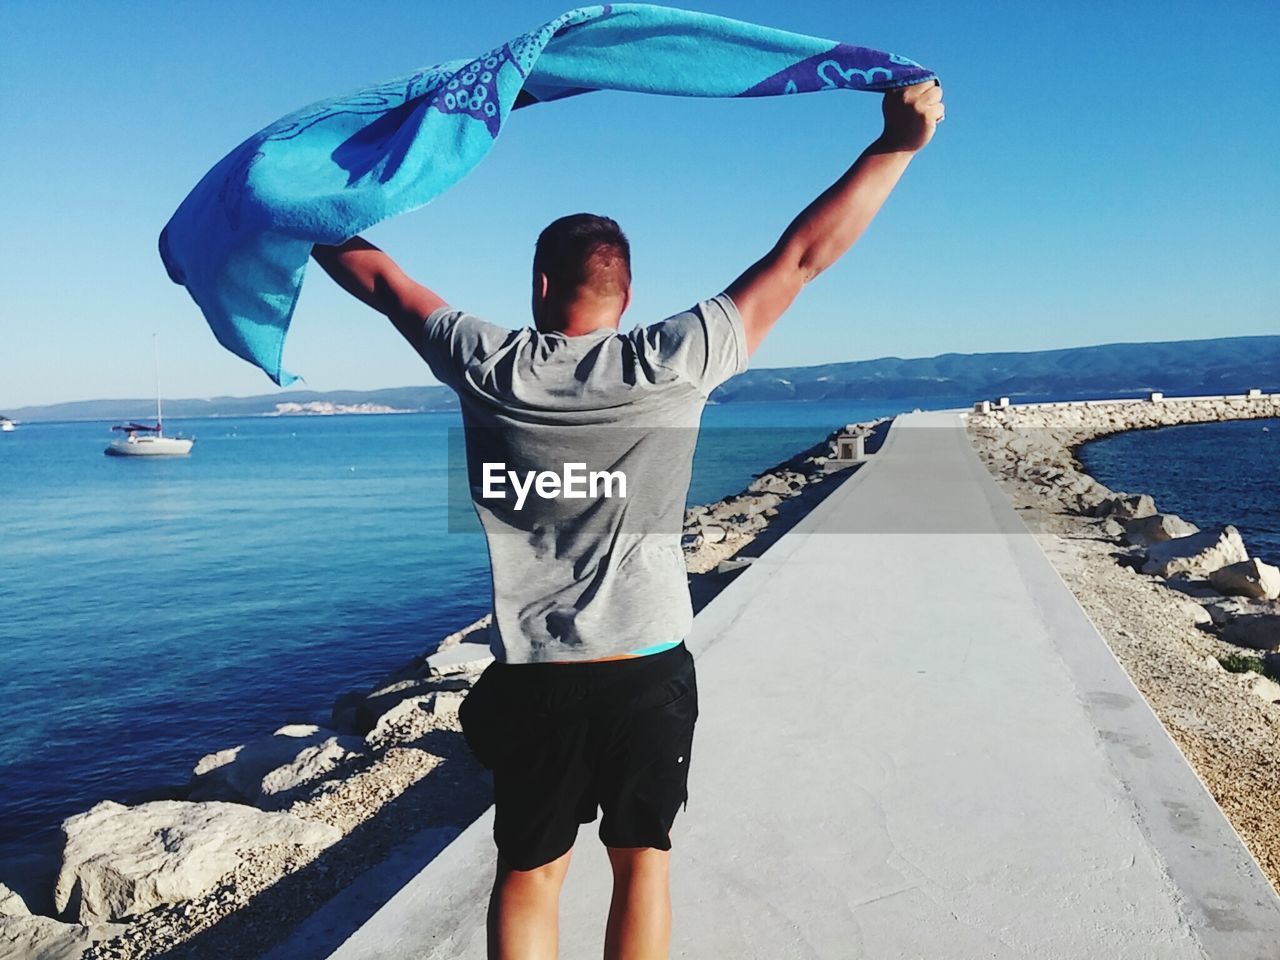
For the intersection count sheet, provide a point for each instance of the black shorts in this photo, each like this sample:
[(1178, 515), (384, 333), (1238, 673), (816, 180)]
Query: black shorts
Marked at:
[(565, 738)]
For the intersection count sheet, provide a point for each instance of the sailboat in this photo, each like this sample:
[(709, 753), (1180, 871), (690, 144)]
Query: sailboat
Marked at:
[(148, 440)]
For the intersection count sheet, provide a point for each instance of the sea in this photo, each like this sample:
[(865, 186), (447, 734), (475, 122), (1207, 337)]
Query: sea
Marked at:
[(153, 611), (1211, 474)]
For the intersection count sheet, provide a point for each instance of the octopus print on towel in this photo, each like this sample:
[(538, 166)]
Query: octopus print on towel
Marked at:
[(241, 239)]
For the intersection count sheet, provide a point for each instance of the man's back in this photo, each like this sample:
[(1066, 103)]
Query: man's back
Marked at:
[(587, 565)]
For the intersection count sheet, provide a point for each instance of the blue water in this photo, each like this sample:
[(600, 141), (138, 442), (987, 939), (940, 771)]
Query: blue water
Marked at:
[(1208, 473), (152, 611)]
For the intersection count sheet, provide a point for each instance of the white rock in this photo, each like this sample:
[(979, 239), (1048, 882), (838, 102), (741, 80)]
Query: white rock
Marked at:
[(406, 713), (473, 631), (266, 770), (311, 764), (41, 938), (1157, 528), (1197, 555), (413, 717), (1263, 687), (1127, 507), (768, 483), (1112, 528), (12, 905), (120, 861), (1225, 609), (359, 711), (1194, 610), (1249, 578), (1211, 663), (460, 658), (1258, 632), (447, 704), (712, 533)]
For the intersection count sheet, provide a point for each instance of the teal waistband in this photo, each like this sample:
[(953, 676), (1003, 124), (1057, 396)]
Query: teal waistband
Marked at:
[(656, 648)]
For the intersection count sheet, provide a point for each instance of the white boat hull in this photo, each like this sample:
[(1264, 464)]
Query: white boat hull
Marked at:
[(150, 447), (6, 426)]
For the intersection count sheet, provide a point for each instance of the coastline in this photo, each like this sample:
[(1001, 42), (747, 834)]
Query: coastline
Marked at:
[(1172, 628), (390, 774)]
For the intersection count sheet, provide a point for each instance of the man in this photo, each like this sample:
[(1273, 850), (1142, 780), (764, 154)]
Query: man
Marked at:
[(592, 699)]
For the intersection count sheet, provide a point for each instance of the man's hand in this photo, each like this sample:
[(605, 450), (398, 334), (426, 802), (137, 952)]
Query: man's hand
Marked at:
[(374, 278), (830, 225), (911, 115)]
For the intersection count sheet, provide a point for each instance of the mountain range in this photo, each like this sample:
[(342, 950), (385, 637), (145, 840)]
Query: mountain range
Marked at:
[(1178, 368)]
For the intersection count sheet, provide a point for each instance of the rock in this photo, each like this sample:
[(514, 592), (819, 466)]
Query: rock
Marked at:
[(310, 765), (466, 657), (712, 533), (782, 484), (734, 564), (12, 905), (769, 483), (121, 861), (266, 771), (1257, 632), (477, 631), (404, 716), (1197, 555), (41, 938), (1194, 610), (347, 713), (1112, 528), (446, 704), (1262, 687), (1249, 578), (1157, 528), (1223, 610), (1127, 506), (408, 718), (359, 711)]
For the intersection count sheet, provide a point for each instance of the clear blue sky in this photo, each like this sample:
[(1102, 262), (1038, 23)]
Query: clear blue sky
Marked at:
[(1106, 172)]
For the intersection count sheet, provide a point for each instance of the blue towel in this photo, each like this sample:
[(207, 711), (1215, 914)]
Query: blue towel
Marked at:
[(241, 239)]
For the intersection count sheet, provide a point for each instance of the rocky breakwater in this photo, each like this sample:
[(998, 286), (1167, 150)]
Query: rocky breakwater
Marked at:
[(320, 804), (1194, 619), (266, 831)]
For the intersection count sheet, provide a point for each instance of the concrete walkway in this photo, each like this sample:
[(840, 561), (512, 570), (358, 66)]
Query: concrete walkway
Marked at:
[(912, 743)]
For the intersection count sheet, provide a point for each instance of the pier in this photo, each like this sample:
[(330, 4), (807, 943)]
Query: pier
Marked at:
[(912, 743)]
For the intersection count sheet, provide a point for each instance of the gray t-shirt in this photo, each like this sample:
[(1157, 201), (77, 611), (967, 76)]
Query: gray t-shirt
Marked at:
[(602, 574)]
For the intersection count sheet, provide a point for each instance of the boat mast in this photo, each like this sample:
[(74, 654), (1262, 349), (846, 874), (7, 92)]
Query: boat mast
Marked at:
[(155, 349)]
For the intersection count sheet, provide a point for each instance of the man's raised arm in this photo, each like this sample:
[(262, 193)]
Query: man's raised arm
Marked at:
[(829, 226), (371, 276)]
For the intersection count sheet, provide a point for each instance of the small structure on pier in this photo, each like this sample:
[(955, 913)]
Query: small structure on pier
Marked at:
[(851, 447)]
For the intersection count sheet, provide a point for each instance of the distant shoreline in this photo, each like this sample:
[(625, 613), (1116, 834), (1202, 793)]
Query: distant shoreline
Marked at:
[(1106, 371)]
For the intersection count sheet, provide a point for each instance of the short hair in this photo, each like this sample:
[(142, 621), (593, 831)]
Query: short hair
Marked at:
[(584, 252)]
